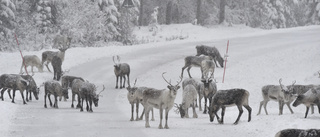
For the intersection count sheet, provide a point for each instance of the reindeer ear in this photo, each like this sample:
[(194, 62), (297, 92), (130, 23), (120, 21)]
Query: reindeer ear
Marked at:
[(169, 87)]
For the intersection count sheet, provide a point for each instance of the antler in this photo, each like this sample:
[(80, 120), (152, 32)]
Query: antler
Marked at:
[(165, 78), (135, 81), (177, 108), (102, 90), (294, 82), (118, 58), (113, 60), (178, 82)]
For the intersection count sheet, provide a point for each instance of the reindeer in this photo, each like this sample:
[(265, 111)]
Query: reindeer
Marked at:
[(210, 51), (54, 88), (56, 64), (209, 89), (279, 93), (13, 82), (189, 97), (121, 70), (311, 97), (47, 56), (302, 89), (61, 40), (31, 60), (76, 85), (87, 92), (226, 98), (298, 133), (199, 87), (135, 95), (67, 82), (160, 99), (193, 61)]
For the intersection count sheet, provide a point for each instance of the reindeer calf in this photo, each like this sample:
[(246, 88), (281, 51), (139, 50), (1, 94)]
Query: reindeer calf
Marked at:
[(226, 98)]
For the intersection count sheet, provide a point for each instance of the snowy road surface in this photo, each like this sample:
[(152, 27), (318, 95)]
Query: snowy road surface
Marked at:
[(290, 54)]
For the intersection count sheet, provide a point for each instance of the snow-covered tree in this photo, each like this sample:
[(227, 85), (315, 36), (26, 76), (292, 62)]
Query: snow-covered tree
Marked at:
[(46, 15), (7, 17), (110, 15)]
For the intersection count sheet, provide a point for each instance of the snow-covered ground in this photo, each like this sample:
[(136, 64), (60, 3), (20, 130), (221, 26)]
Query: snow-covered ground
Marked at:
[(256, 58)]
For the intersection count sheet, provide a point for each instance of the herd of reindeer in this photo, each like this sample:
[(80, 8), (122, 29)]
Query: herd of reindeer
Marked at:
[(207, 59)]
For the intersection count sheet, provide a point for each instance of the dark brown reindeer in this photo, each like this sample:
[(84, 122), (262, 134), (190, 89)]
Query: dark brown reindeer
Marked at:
[(121, 70), (47, 56), (210, 51)]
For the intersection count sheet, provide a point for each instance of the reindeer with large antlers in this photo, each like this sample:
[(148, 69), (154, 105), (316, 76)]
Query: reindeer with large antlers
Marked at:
[(121, 70), (279, 93), (160, 99), (87, 92)]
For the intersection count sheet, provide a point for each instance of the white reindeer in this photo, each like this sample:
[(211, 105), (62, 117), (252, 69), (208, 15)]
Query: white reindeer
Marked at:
[(279, 93), (31, 60), (160, 99), (189, 97)]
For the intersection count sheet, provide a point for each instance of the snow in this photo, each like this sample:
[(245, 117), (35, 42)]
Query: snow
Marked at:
[(256, 58)]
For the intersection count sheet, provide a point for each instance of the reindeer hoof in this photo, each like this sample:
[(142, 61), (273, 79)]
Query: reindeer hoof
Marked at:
[(72, 106)]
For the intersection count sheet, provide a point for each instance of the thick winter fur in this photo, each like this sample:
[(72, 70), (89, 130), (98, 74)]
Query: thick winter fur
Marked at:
[(31, 60), (301, 89), (226, 98), (87, 92), (210, 51), (121, 70), (13, 82), (189, 97), (56, 65), (66, 81), (311, 97), (135, 96), (160, 99), (54, 88), (298, 133), (61, 41), (75, 87), (207, 66), (209, 89), (278, 93), (47, 56), (193, 61), (199, 87)]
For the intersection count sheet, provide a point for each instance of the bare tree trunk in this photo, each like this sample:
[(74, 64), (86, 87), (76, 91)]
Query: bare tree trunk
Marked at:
[(222, 11), (141, 13), (199, 12), (169, 13)]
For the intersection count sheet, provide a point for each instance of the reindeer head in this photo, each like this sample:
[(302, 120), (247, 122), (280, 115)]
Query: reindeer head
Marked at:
[(173, 89), (96, 97), (206, 81), (212, 109), (132, 90), (287, 92), (116, 65), (179, 109)]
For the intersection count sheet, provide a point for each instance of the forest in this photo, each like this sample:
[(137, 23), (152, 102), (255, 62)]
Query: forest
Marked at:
[(94, 23)]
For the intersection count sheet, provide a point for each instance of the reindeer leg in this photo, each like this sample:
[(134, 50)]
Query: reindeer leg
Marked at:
[(30, 96), (14, 94), (117, 82), (161, 116), (128, 80), (56, 102), (249, 111), (45, 100), (79, 101), (265, 106), (281, 104), (50, 100), (81, 109), (166, 124), (124, 82), (152, 119), (132, 111), (194, 111), (141, 117), (307, 111), (90, 103), (200, 108), (240, 113), (312, 108), (182, 70), (205, 105), (48, 66), (73, 96), (222, 115), (288, 105), (9, 90), (27, 99), (147, 125), (2, 91), (137, 110), (87, 104), (188, 69), (24, 102)]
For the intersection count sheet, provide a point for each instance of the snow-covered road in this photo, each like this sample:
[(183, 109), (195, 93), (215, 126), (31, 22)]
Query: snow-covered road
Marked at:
[(290, 54)]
